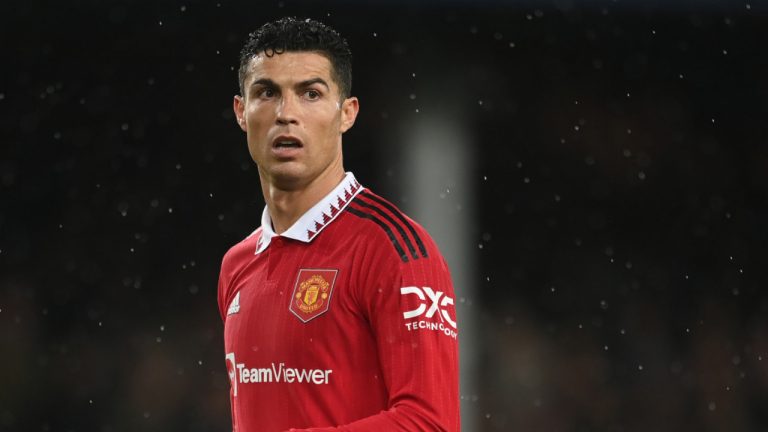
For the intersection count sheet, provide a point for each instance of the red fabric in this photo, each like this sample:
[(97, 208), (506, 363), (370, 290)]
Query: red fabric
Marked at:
[(367, 370)]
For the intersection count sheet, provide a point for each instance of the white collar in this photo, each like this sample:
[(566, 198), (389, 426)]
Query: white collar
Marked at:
[(316, 218)]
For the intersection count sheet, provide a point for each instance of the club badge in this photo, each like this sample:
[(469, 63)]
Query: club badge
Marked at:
[(312, 293)]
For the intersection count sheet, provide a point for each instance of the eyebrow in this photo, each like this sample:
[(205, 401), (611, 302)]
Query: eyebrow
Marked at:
[(318, 80), (306, 83)]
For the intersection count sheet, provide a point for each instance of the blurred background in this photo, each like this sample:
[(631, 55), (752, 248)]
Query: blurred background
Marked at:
[(595, 172)]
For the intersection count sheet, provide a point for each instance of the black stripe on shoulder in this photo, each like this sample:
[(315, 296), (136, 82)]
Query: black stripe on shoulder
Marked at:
[(391, 221), (384, 226), (400, 216)]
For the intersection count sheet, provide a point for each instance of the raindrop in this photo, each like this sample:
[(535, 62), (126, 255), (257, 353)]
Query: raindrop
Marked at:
[(712, 406), (641, 175)]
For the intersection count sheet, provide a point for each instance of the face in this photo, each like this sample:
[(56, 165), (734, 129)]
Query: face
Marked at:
[(293, 117)]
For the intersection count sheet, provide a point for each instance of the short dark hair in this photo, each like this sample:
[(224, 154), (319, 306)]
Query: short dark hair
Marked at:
[(293, 34)]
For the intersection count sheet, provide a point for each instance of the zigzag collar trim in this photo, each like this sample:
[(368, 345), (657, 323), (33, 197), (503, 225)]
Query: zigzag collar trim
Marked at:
[(316, 218)]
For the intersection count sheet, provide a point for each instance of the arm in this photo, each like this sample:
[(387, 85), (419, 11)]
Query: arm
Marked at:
[(412, 316)]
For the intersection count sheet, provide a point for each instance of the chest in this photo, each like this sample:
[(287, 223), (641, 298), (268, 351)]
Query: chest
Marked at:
[(294, 301)]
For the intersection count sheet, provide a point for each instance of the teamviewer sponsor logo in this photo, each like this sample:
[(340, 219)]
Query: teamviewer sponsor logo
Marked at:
[(438, 305), (240, 374)]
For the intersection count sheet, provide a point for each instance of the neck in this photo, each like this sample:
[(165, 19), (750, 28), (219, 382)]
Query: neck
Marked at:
[(287, 205)]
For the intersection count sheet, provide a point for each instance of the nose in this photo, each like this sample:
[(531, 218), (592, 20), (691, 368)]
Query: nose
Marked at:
[(287, 110)]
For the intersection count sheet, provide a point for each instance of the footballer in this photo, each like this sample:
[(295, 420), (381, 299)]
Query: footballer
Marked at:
[(339, 310)]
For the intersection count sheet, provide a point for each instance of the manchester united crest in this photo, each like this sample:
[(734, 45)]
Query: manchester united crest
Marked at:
[(312, 293)]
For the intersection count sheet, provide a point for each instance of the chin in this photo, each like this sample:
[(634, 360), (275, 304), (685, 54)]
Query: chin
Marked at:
[(289, 176)]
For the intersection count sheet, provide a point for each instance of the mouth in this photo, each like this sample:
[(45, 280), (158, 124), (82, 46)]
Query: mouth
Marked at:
[(287, 142)]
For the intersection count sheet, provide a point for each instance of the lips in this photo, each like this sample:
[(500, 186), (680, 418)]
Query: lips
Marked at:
[(286, 142), (287, 147)]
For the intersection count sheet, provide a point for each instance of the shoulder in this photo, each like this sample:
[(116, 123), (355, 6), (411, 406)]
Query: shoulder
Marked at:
[(386, 227), (240, 252)]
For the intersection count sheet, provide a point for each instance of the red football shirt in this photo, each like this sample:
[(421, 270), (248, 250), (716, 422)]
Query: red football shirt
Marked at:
[(346, 322)]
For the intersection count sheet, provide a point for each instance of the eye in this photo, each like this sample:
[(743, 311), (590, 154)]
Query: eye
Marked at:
[(265, 93), (312, 94)]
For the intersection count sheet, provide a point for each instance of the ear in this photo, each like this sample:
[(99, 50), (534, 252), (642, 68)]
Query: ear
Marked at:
[(239, 107), (349, 109)]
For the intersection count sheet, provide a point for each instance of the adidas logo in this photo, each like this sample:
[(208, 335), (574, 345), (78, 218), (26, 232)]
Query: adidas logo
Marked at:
[(234, 307)]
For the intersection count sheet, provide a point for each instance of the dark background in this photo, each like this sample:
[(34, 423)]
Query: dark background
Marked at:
[(619, 182)]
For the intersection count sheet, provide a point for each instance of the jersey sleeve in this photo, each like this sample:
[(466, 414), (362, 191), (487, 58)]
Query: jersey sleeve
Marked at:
[(221, 293), (226, 273), (410, 307)]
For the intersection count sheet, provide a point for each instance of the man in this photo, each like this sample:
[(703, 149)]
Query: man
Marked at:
[(339, 310)]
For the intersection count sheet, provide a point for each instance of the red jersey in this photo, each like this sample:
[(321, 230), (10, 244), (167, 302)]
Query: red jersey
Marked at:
[(346, 321)]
